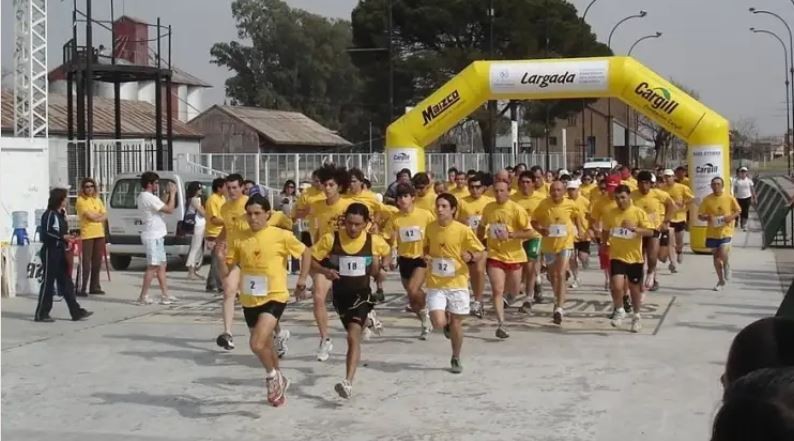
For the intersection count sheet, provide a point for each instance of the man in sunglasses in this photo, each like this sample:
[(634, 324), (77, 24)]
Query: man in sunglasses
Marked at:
[(470, 213)]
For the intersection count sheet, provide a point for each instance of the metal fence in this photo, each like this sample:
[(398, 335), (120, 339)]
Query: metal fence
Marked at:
[(107, 158), (775, 211)]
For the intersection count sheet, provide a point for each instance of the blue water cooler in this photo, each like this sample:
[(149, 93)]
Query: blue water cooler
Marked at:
[(19, 222)]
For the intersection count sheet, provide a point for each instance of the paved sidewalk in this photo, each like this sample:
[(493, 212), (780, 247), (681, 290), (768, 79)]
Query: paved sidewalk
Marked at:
[(154, 373)]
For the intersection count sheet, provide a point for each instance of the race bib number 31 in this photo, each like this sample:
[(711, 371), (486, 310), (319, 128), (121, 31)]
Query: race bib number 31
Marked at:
[(443, 267), (254, 285), (352, 266), (410, 234), (558, 230), (623, 233)]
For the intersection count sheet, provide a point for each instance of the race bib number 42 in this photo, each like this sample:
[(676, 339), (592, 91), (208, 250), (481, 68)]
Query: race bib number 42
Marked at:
[(410, 234), (350, 266), (254, 285), (443, 267)]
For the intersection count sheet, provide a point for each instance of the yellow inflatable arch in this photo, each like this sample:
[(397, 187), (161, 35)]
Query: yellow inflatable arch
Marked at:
[(705, 131)]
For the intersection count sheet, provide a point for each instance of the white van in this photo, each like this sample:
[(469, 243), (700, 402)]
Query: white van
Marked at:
[(601, 164), (125, 222)]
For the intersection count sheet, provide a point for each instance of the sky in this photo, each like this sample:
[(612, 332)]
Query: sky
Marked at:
[(706, 44)]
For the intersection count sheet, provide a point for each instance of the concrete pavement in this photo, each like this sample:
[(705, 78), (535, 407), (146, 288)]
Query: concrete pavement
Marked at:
[(154, 373)]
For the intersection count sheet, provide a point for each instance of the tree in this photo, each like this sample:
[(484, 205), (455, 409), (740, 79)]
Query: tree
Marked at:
[(295, 61), (433, 40), (663, 140), (743, 134)]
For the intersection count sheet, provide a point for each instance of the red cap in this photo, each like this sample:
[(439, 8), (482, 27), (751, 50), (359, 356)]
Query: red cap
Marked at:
[(613, 182)]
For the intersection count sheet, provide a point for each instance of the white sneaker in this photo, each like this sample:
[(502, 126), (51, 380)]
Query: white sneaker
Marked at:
[(375, 323), (325, 350), (635, 324), (617, 319), (719, 286), (575, 283), (424, 316), (281, 342), (344, 389)]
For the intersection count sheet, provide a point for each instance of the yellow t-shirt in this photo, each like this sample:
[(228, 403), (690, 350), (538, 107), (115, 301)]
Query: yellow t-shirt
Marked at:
[(212, 208), (559, 218), (586, 190), (600, 205), (367, 198), (491, 194), (529, 203), (625, 245), (234, 221), (511, 217), (326, 218), (653, 204), (408, 230), (427, 202), (262, 256), (90, 229), (682, 196), (279, 220), (445, 245), (631, 182), (470, 210), (459, 193), (684, 181), (325, 245), (543, 190), (304, 202), (583, 204), (594, 193), (719, 206)]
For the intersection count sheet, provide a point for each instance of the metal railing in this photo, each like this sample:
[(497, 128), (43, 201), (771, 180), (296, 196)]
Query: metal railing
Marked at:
[(775, 211)]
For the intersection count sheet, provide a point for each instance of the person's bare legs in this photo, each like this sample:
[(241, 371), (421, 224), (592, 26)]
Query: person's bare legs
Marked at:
[(617, 287), (148, 276), (320, 292), (261, 341), (231, 285), (497, 277), (679, 246), (558, 270), (652, 256), (416, 296), (161, 278), (477, 272), (354, 331), (456, 333)]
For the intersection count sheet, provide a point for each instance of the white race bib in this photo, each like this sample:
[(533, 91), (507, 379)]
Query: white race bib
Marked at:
[(558, 230), (254, 285), (623, 233), (474, 221), (303, 224), (443, 267), (718, 221), (498, 230), (410, 234), (352, 266)]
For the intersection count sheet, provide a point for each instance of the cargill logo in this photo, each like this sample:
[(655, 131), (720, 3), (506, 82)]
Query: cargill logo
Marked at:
[(707, 168), (401, 157), (658, 97), (433, 111)]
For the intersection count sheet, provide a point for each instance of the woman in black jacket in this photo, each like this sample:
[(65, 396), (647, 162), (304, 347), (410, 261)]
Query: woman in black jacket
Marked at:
[(53, 260)]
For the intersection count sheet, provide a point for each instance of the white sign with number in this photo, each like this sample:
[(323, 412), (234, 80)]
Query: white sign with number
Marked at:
[(498, 231), (718, 221), (254, 285), (443, 267), (622, 233), (474, 221), (303, 224), (352, 266), (558, 230), (410, 234)]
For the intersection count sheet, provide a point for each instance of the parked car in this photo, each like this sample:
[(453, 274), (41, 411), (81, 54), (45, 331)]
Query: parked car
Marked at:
[(602, 164), (125, 222)]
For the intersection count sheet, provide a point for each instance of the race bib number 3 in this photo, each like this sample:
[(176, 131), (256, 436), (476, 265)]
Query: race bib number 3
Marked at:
[(443, 267), (352, 266), (410, 234), (254, 285), (474, 222), (558, 230), (623, 233), (498, 230)]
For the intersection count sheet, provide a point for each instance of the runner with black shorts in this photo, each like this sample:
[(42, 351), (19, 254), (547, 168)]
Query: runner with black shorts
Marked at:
[(349, 257), (659, 207), (405, 230), (581, 246), (624, 228), (682, 196), (262, 253)]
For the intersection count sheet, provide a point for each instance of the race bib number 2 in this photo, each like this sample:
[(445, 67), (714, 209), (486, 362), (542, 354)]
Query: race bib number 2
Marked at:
[(443, 267), (254, 285), (410, 234), (350, 266)]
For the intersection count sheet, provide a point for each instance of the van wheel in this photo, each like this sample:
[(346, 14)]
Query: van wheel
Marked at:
[(120, 262)]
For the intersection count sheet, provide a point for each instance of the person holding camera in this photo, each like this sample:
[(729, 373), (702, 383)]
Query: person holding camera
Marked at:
[(153, 234)]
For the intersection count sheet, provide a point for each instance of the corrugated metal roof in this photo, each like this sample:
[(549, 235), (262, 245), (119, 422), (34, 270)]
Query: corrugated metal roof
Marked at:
[(281, 127), (137, 118)]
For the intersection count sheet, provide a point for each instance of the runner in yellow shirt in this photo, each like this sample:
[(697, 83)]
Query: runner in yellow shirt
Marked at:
[(450, 247), (582, 245), (357, 191), (302, 212), (460, 190), (719, 210), (529, 199), (538, 181), (682, 196), (500, 176), (452, 178), (599, 205), (624, 228), (588, 185), (326, 215), (261, 254), (425, 195), (349, 257), (660, 208), (506, 224), (469, 213), (681, 175), (555, 218), (406, 230)]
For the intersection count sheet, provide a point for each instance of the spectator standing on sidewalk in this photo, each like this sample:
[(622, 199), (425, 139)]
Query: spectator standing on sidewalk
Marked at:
[(744, 192), (153, 234), (195, 210), (92, 214)]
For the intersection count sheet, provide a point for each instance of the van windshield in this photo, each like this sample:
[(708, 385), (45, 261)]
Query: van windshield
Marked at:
[(126, 191)]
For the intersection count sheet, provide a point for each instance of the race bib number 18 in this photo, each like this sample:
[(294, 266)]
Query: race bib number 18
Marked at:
[(254, 285), (443, 267), (352, 266), (718, 221)]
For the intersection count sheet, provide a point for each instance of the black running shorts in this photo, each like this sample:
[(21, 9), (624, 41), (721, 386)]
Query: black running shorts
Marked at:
[(408, 265), (632, 271), (273, 308), (353, 308)]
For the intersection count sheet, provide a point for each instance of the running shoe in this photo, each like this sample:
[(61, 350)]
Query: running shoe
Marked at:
[(526, 307), (537, 296), (447, 331), (276, 389), (379, 295), (558, 313), (627, 304), (655, 286), (476, 309), (324, 351), (680, 258), (649, 278), (617, 317), (225, 341), (168, 300), (636, 326), (508, 299), (144, 301), (375, 324), (424, 316), (454, 366), (719, 286), (501, 332), (672, 268), (281, 342), (344, 389), (574, 283)]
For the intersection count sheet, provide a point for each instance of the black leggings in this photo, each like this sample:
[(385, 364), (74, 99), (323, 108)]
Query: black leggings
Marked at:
[(745, 206)]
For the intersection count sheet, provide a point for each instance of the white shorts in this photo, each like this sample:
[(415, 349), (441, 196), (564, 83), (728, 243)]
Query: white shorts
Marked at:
[(564, 255), (454, 301), (155, 251)]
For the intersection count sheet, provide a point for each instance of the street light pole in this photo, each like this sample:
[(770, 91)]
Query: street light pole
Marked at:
[(626, 140), (785, 74), (610, 149), (791, 66)]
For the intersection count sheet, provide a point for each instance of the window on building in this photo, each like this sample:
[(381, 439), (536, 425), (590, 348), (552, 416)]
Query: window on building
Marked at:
[(552, 140), (572, 120)]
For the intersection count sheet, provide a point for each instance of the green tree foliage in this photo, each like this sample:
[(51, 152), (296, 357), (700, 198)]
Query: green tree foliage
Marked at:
[(295, 61), (435, 39)]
